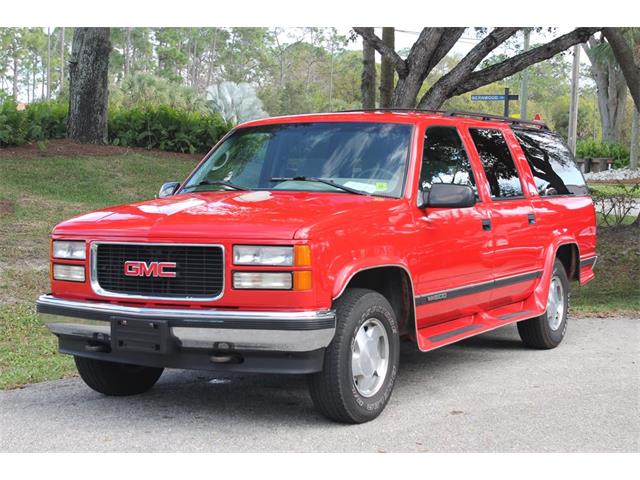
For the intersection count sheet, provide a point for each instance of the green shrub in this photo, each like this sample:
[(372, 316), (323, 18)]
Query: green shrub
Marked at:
[(12, 123), (593, 149), (148, 126), (40, 121), (165, 128), (46, 120)]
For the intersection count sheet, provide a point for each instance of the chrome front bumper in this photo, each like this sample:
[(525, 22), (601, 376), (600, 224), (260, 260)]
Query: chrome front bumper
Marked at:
[(303, 331)]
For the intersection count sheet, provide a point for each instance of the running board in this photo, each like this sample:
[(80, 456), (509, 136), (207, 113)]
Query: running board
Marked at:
[(441, 334)]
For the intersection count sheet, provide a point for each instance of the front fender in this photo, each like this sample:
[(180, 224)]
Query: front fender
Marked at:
[(346, 271)]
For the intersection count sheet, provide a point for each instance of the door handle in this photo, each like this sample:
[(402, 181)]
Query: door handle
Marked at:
[(532, 218), (486, 224)]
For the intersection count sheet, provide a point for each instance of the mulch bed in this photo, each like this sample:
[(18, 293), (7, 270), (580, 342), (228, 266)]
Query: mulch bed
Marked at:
[(6, 207), (69, 148)]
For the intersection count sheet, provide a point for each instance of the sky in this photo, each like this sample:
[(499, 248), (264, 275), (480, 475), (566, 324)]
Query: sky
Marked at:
[(405, 37)]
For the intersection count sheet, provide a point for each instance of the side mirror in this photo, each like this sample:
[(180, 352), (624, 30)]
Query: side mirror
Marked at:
[(448, 195), (167, 189)]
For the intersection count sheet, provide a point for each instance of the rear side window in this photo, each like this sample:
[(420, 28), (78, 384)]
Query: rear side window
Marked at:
[(552, 164), (499, 168), (444, 159)]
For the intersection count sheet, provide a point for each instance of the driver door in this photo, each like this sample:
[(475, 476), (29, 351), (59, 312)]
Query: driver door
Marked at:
[(455, 246)]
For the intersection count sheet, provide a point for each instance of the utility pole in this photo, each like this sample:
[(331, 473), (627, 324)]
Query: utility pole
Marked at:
[(506, 102), (573, 108), (524, 87)]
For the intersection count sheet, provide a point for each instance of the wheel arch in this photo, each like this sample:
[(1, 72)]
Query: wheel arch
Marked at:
[(395, 283), (569, 254)]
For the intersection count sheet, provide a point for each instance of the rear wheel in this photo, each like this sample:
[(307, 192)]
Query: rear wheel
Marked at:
[(116, 378), (548, 330), (361, 364)]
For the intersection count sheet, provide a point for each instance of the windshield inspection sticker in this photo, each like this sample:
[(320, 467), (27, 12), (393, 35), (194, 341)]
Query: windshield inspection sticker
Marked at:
[(381, 186), (364, 187)]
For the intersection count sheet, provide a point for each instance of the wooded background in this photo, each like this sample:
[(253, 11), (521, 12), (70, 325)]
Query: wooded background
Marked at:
[(244, 72)]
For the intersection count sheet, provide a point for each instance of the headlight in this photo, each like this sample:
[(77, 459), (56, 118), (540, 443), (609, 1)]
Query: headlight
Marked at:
[(263, 255), (70, 250), (262, 280), (72, 273)]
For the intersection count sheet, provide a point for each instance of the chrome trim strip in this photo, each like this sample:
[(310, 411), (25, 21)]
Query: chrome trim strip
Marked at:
[(184, 313), (95, 285)]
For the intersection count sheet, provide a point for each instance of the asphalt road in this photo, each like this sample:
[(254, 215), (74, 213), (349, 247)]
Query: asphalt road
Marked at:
[(487, 393)]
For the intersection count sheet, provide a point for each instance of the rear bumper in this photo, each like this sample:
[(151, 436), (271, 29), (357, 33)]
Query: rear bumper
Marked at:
[(184, 338)]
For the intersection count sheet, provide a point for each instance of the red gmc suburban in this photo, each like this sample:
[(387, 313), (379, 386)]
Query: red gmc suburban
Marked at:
[(311, 244)]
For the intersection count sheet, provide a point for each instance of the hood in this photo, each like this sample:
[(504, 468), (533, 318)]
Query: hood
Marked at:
[(246, 215)]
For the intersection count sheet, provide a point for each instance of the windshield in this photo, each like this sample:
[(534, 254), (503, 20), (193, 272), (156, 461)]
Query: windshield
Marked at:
[(362, 157)]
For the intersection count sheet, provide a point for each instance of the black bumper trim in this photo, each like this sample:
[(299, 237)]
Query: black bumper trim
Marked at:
[(197, 359), (588, 261)]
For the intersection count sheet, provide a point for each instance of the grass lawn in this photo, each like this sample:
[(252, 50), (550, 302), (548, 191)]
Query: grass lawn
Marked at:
[(36, 192)]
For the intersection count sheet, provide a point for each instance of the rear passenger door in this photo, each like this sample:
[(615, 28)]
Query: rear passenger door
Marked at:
[(517, 247)]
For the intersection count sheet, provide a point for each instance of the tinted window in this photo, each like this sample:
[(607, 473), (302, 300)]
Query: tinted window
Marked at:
[(369, 157), (551, 163), (444, 159), (498, 164)]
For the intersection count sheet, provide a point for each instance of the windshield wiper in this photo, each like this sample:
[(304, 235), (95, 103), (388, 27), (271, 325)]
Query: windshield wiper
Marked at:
[(223, 183), (319, 180)]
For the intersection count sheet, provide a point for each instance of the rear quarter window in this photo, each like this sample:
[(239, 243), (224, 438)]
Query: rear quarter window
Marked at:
[(552, 164)]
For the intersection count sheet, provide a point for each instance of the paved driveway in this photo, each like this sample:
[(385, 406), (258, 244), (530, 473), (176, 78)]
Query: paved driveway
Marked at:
[(485, 394)]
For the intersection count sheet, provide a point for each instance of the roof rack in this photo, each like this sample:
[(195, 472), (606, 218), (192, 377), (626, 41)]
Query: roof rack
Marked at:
[(500, 118), (458, 113)]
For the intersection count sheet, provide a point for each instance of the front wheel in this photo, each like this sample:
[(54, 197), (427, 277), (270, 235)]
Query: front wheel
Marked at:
[(117, 379), (361, 363), (548, 330)]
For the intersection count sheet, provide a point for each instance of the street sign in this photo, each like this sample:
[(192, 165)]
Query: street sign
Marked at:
[(488, 98), (491, 98), (497, 98)]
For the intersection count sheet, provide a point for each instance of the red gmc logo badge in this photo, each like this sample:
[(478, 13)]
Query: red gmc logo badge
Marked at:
[(150, 269)]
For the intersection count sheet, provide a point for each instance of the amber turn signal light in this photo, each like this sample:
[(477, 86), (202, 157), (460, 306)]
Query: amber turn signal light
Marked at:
[(302, 280), (302, 255)]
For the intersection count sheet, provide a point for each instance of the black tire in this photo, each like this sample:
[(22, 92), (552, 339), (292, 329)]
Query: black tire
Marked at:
[(537, 332), (117, 379), (333, 390)]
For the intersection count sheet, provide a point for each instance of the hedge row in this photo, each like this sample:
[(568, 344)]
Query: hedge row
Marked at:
[(147, 126)]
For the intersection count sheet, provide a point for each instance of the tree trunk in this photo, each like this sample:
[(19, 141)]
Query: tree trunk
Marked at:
[(635, 140), (625, 56), (368, 85), (127, 51), (15, 76), (61, 58), (48, 63), (33, 78), (88, 85), (611, 90), (387, 70)]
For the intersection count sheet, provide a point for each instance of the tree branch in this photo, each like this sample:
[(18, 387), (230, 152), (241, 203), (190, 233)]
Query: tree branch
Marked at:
[(447, 40), (441, 90), (398, 63), (520, 62), (624, 55)]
